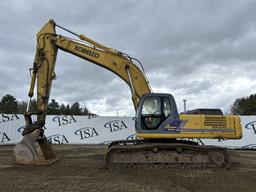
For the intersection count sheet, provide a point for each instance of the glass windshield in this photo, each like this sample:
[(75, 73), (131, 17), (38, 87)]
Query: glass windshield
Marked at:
[(167, 107), (151, 106)]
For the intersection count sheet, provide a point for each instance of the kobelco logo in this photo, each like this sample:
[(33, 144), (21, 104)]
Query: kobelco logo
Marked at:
[(115, 125), (8, 117), (87, 52), (4, 137), (251, 125), (58, 139), (86, 132), (64, 119)]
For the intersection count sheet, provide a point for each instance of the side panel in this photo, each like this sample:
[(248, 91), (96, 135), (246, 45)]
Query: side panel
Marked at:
[(200, 126)]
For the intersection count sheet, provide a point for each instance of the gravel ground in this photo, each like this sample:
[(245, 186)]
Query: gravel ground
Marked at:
[(81, 168)]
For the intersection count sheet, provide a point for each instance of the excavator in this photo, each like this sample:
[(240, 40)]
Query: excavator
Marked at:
[(165, 137)]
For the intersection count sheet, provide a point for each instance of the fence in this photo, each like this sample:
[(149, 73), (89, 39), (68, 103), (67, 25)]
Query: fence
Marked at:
[(62, 129)]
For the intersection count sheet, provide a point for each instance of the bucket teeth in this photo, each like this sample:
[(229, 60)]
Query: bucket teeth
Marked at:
[(34, 152)]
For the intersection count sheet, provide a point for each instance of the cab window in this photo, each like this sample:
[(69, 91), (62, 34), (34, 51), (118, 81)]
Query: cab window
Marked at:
[(167, 107), (151, 113), (151, 106)]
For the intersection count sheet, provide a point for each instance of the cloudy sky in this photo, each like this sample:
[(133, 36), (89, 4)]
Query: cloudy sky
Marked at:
[(203, 51)]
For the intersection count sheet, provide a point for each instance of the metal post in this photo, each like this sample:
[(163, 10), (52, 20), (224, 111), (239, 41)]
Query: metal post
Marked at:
[(185, 107), (28, 104)]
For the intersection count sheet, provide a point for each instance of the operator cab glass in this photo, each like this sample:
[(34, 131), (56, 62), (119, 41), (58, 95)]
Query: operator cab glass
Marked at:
[(154, 110), (166, 107), (151, 113)]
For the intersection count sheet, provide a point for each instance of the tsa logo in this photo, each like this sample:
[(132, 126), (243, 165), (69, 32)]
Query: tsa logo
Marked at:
[(8, 117), (64, 119), (4, 137), (251, 125), (86, 132), (21, 129), (115, 125), (58, 139), (105, 143), (132, 137)]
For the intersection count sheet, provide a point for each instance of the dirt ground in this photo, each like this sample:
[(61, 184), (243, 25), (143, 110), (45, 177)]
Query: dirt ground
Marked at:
[(81, 168)]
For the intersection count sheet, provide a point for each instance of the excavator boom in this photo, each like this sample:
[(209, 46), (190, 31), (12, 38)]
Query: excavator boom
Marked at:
[(34, 146)]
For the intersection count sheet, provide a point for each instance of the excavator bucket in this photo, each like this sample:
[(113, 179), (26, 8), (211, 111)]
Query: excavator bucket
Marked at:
[(32, 151)]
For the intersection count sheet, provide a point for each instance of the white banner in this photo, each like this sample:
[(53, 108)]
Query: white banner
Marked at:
[(68, 129), (249, 135)]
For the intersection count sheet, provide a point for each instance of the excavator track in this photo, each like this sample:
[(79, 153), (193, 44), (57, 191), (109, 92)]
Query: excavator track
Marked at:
[(171, 155)]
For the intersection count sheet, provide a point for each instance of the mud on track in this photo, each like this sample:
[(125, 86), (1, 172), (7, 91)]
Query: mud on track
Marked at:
[(81, 168)]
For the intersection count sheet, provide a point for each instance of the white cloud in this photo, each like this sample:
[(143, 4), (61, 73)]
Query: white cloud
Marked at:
[(202, 51)]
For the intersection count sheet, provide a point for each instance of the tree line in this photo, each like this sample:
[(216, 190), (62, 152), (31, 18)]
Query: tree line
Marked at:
[(244, 105), (10, 105)]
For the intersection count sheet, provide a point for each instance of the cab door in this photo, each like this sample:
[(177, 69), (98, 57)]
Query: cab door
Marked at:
[(155, 112)]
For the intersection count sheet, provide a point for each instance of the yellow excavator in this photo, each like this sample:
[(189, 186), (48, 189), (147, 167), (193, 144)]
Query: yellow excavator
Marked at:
[(165, 137)]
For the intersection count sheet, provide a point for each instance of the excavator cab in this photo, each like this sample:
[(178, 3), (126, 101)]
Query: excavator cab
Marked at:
[(155, 112)]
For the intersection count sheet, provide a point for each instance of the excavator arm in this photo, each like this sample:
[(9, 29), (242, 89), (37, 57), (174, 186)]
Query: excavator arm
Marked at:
[(43, 73), (113, 61), (48, 43)]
